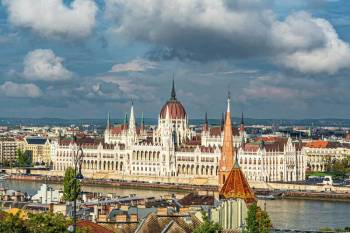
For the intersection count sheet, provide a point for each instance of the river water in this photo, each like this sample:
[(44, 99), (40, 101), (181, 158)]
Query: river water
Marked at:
[(286, 214)]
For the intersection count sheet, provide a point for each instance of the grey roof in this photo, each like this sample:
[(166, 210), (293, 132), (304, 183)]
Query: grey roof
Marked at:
[(36, 140)]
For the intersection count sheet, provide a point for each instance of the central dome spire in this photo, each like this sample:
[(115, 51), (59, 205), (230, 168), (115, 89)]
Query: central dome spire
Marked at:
[(176, 109), (173, 93)]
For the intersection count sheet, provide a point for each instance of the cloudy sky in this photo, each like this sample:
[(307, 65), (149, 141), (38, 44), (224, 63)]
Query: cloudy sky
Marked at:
[(83, 58)]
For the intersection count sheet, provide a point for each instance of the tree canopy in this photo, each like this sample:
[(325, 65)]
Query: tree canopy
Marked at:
[(36, 223), (24, 158), (257, 221), (207, 226), (71, 186)]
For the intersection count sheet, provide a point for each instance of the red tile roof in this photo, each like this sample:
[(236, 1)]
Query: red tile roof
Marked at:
[(320, 144), (92, 227), (236, 186)]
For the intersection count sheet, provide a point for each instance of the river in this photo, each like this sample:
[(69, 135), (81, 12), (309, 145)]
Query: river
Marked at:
[(286, 213)]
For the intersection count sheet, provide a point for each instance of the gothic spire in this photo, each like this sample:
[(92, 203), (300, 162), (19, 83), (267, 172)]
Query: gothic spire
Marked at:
[(132, 123), (108, 122), (242, 120), (222, 121), (125, 126), (173, 93), (206, 125), (142, 122)]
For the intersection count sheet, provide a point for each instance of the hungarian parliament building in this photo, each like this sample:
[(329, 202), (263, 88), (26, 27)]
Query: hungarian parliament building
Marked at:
[(173, 152)]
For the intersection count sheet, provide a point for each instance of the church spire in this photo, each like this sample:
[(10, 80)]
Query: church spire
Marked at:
[(227, 152), (173, 93)]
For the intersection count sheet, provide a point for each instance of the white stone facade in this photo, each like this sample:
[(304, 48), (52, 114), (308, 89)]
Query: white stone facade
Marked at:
[(173, 150)]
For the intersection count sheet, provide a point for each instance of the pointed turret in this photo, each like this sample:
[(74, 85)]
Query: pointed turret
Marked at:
[(236, 186), (108, 122), (132, 122), (173, 93), (125, 124), (241, 128), (227, 152), (142, 127), (206, 125), (222, 121)]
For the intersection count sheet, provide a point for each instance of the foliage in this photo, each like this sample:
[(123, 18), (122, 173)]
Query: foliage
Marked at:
[(257, 221), (329, 229), (24, 158), (47, 223), (12, 223), (325, 229), (71, 186), (338, 168), (36, 223), (207, 226)]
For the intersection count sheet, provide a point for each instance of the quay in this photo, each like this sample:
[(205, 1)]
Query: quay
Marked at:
[(262, 190)]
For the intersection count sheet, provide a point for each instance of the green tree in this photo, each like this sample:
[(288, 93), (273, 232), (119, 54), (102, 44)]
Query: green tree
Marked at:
[(207, 226), (12, 223), (47, 223), (23, 158), (257, 221), (71, 186)]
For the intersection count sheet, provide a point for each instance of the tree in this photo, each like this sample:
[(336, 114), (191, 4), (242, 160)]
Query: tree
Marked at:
[(47, 223), (257, 221), (71, 186), (207, 226), (12, 223), (23, 158)]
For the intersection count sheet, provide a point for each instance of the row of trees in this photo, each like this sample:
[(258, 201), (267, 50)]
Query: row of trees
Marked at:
[(35, 223), (338, 168)]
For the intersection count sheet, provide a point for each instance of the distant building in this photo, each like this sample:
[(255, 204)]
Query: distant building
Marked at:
[(47, 195), (319, 153), (39, 149), (8, 148), (273, 159)]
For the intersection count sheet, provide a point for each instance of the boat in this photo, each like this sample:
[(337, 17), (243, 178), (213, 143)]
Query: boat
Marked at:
[(266, 197)]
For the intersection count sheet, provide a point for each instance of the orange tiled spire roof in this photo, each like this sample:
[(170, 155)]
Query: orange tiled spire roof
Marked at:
[(236, 186), (226, 160)]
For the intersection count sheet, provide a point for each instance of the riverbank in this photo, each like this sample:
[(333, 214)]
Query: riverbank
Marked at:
[(121, 184), (185, 188)]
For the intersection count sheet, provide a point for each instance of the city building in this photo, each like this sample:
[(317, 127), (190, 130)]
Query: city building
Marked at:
[(272, 159), (319, 153), (173, 152), (8, 148), (47, 195), (38, 147)]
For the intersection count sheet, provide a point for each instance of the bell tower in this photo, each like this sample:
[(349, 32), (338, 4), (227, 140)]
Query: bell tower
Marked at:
[(227, 152)]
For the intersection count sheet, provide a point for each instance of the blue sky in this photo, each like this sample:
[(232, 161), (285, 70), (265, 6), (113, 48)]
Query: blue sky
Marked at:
[(83, 58)]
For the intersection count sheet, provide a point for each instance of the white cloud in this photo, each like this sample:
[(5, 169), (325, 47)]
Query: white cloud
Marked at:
[(137, 65), (212, 30), (332, 55), (52, 18), (43, 64), (12, 89)]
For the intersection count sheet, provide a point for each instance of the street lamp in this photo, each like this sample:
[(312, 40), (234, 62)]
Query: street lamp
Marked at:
[(78, 176)]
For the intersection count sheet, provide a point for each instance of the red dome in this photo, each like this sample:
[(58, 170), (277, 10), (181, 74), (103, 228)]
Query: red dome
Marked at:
[(176, 110)]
